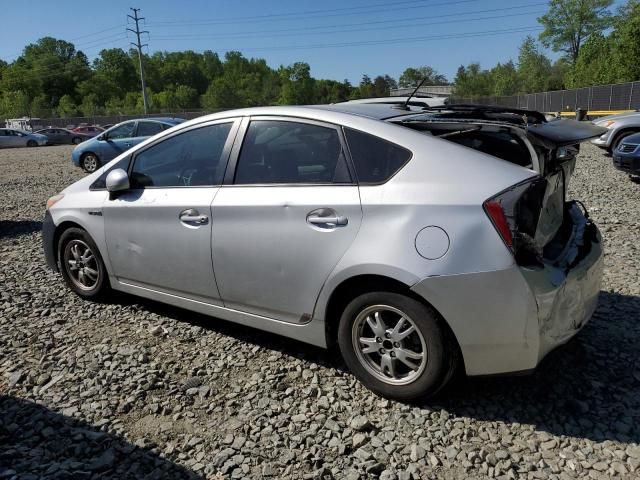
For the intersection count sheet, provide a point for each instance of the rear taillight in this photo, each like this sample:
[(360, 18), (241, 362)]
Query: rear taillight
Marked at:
[(494, 210)]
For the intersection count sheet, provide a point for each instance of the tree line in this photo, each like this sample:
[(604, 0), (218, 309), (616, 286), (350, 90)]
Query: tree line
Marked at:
[(597, 47), (52, 78)]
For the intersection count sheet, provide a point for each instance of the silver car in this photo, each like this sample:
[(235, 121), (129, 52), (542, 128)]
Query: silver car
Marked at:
[(618, 127), (417, 241), (10, 137)]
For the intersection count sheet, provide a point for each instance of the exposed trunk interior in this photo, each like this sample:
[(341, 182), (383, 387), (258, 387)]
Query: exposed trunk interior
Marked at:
[(546, 229)]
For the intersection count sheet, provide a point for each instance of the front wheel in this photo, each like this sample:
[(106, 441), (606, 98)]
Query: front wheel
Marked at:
[(395, 345), (81, 264), (32, 143), (90, 162)]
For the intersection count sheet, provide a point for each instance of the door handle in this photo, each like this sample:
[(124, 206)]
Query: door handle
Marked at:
[(192, 215), (127, 144), (338, 221)]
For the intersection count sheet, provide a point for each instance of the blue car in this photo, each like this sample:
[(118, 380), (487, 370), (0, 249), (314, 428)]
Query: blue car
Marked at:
[(94, 153), (626, 156)]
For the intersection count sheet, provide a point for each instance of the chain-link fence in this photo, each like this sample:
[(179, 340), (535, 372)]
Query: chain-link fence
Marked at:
[(619, 96)]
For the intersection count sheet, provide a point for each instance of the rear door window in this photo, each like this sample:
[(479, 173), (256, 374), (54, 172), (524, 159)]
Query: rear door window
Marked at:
[(276, 151), (376, 160), (148, 129)]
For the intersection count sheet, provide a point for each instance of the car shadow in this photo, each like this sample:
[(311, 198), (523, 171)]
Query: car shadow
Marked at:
[(588, 388), (15, 228), (36, 442)]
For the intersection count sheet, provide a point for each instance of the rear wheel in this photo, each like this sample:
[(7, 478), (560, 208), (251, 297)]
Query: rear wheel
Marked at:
[(32, 143), (89, 162), (81, 264), (76, 140), (395, 345)]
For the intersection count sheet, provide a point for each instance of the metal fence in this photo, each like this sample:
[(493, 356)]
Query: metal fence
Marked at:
[(108, 119), (619, 96)]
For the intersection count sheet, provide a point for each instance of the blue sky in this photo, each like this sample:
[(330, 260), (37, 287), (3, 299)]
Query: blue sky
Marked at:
[(339, 39)]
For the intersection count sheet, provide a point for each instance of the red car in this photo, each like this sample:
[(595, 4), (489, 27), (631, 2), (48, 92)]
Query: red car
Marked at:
[(91, 130)]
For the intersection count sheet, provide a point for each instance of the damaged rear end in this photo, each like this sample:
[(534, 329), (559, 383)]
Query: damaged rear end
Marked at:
[(556, 246)]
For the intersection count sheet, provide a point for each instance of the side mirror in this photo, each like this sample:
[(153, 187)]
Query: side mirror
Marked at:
[(102, 137), (117, 181)]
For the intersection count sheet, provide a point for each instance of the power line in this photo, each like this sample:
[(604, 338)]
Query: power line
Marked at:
[(387, 41), (16, 55), (137, 31), (193, 36), (371, 8), (377, 22)]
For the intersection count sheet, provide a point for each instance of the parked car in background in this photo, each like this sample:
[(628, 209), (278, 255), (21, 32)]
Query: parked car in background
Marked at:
[(418, 241), (62, 136), (618, 127), (90, 130), (97, 151), (415, 101), (10, 137), (627, 156), (107, 126)]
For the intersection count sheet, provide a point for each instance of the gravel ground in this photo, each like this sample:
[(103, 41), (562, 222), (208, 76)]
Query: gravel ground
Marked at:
[(136, 389)]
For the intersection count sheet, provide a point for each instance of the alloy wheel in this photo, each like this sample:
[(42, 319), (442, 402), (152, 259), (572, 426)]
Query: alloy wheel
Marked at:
[(389, 344), (81, 265), (90, 163)]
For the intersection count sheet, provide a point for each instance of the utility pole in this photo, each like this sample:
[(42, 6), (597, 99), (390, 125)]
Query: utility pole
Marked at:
[(139, 46)]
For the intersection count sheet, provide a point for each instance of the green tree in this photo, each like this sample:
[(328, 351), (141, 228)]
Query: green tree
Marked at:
[(297, 84), (14, 104), (67, 107), (626, 43), (411, 77), (504, 77), (90, 105), (534, 68), (472, 81), (568, 23)]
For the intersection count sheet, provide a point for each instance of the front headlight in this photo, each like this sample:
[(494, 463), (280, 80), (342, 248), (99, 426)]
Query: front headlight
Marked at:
[(53, 200)]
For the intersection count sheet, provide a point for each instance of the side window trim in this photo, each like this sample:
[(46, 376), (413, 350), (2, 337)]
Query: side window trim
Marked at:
[(226, 150), (232, 165)]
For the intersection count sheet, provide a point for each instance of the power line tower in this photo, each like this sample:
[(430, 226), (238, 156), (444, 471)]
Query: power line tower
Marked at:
[(139, 46)]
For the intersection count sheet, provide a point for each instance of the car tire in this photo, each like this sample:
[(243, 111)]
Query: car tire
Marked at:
[(616, 141), (90, 162), (81, 265), (76, 140), (32, 143), (403, 360)]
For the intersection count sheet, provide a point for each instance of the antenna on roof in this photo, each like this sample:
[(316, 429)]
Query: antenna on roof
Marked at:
[(405, 105)]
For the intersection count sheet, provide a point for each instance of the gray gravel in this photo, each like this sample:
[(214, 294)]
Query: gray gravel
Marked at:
[(135, 389)]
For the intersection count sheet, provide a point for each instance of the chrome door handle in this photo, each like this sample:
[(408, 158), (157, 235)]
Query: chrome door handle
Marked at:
[(340, 221), (193, 216)]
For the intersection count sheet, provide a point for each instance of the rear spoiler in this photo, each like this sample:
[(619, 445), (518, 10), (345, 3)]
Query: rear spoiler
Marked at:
[(563, 132)]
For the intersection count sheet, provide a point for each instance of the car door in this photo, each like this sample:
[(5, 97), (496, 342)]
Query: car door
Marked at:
[(17, 139), (286, 214), (117, 140), (4, 138), (158, 233), (53, 135)]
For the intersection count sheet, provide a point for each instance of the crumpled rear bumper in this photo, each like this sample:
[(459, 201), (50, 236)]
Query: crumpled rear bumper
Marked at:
[(508, 320), (567, 298)]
